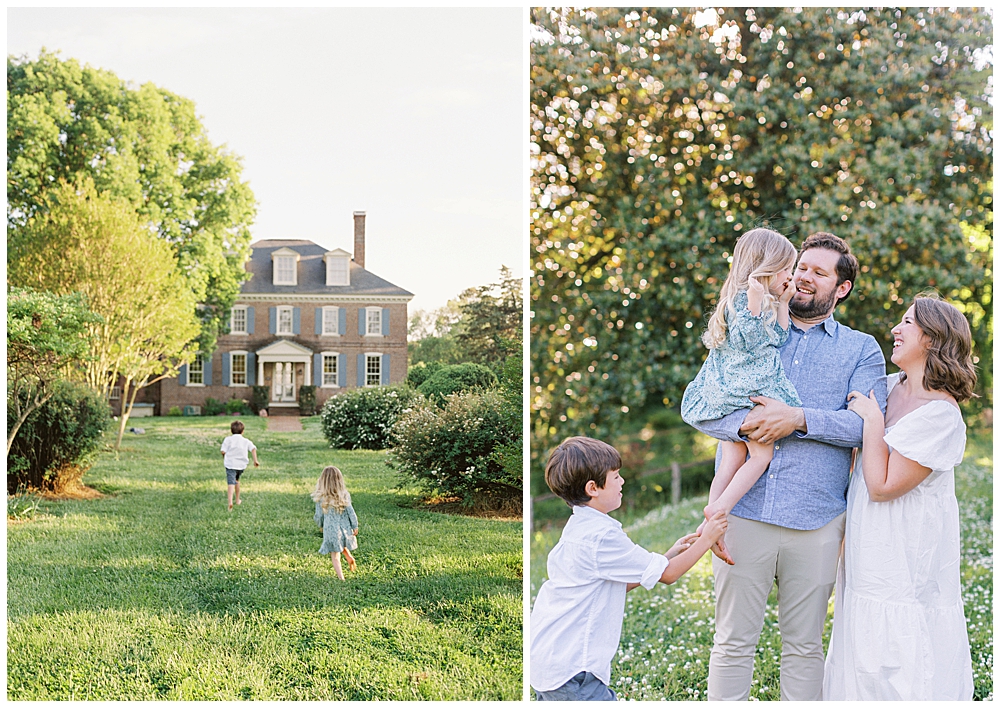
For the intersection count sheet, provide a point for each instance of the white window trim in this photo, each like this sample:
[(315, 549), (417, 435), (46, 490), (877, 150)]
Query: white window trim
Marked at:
[(322, 372), (232, 320), (285, 253), (347, 270), (291, 320), (232, 369), (202, 383), (336, 321), (368, 322), (379, 356)]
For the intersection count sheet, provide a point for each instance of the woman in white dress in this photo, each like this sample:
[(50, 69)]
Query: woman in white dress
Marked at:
[(899, 630)]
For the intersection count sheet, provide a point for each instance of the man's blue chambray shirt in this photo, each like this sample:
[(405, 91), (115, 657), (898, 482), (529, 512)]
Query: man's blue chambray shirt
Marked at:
[(806, 484)]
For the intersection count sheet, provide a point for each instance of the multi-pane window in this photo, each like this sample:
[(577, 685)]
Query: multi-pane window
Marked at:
[(330, 317), (374, 320), (284, 270), (285, 320), (196, 370), (239, 369), (336, 271), (329, 370), (238, 322), (373, 370)]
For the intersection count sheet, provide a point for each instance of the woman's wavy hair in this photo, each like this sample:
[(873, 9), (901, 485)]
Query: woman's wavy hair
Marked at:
[(759, 253), (331, 491), (949, 366)]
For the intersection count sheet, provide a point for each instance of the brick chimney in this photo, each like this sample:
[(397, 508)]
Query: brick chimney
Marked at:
[(359, 238)]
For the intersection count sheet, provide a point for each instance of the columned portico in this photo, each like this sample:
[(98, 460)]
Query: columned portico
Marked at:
[(284, 359)]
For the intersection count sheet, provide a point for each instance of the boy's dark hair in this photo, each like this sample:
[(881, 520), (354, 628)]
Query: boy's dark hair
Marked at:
[(847, 264), (236, 427), (575, 462)]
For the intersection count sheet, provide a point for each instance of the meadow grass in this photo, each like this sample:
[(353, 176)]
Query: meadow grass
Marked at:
[(156, 592), (667, 632)]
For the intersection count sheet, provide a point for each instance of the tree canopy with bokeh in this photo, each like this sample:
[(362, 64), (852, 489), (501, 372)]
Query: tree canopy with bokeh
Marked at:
[(659, 136)]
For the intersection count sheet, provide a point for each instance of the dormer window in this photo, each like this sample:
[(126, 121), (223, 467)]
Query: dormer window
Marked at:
[(338, 268), (285, 266)]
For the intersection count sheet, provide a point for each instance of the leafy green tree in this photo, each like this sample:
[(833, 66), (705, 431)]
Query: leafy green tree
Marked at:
[(45, 336), (141, 144), (491, 323), (96, 245), (659, 136)]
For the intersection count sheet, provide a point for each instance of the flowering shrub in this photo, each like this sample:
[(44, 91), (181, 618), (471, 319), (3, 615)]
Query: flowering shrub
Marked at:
[(451, 450), (363, 418)]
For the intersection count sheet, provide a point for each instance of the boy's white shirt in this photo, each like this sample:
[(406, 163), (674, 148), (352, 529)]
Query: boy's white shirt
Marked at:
[(576, 621), (237, 449)]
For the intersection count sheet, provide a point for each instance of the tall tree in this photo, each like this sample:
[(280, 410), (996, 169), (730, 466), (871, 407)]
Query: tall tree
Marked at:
[(492, 320), (141, 144), (659, 136), (45, 336), (91, 243)]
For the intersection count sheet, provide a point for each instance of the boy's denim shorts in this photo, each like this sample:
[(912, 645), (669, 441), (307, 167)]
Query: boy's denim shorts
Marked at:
[(233, 476), (582, 687)]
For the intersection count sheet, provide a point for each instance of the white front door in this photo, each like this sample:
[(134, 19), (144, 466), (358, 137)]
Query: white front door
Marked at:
[(283, 382)]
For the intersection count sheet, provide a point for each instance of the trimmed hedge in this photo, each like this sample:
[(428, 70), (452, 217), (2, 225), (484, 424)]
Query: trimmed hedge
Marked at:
[(363, 418), (455, 379)]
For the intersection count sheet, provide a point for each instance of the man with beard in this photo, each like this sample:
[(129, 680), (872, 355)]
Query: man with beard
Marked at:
[(788, 528)]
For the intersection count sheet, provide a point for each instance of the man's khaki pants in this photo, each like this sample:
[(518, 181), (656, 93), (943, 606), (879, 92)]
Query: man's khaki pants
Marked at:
[(804, 564)]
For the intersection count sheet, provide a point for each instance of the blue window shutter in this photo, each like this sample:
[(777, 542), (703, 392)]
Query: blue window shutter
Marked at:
[(385, 322), (249, 320), (341, 321), (296, 320), (362, 321), (361, 370), (341, 369), (385, 369), (182, 375), (319, 320), (273, 320), (251, 369), (207, 369), (317, 370), (226, 369)]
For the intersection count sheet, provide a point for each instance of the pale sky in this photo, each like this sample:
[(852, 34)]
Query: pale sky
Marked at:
[(414, 116)]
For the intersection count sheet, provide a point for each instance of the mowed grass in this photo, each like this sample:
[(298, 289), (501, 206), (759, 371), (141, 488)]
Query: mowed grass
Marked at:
[(667, 633), (157, 592)]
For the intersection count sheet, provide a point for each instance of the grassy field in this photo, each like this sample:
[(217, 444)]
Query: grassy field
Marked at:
[(667, 634), (156, 592)]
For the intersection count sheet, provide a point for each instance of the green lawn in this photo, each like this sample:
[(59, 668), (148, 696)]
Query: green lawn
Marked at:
[(157, 592), (667, 633)]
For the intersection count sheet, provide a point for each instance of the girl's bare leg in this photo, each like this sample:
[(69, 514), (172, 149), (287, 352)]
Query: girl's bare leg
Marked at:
[(351, 563), (335, 557), (744, 478)]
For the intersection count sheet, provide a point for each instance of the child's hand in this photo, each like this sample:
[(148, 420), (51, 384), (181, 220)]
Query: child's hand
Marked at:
[(355, 532), (682, 544), (256, 464), (787, 292), (715, 527)]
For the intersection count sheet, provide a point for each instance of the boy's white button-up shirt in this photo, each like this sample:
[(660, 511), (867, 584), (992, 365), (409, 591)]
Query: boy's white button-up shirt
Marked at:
[(576, 621), (237, 449)]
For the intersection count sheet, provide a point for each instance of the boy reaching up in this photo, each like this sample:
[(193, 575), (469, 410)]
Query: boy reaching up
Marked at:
[(576, 621)]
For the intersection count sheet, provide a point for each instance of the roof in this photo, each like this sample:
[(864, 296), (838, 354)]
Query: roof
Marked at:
[(311, 273)]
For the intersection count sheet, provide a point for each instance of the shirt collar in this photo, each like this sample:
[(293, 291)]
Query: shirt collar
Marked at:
[(829, 325), (591, 515)]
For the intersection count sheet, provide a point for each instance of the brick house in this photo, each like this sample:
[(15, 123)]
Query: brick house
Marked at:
[(306, 316)]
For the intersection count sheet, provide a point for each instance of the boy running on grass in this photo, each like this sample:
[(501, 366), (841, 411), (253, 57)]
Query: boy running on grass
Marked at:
[(235, 457), (577, 618)]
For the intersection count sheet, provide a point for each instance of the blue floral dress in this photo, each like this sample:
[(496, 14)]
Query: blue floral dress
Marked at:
[(747, 364), (338, 529)]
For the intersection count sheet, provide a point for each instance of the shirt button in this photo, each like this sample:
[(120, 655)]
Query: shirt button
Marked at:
[(777, 447), (770, 476), (796, 361)]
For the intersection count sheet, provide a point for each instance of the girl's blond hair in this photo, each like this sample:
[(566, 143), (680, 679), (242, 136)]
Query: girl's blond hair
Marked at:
[(331, 491), (759, 253)]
